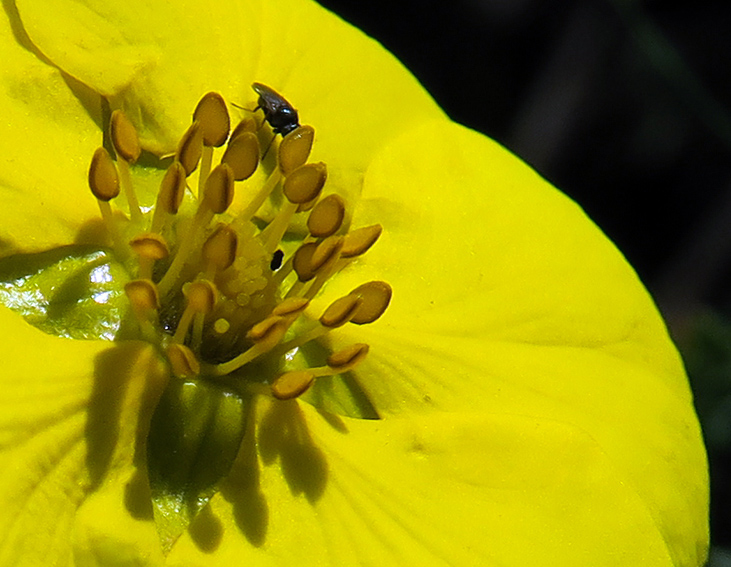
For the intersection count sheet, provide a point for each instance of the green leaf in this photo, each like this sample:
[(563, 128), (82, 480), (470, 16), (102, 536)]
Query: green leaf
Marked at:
[(195, 434), (74, 291)]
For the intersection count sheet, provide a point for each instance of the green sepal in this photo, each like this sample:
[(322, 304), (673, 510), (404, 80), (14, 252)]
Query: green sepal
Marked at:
[(195, 435), (73, 291)]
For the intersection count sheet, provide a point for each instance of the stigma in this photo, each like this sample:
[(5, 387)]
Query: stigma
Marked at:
[(222, 294)]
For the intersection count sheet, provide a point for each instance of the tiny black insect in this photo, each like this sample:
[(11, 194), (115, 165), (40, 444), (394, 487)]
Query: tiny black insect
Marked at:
[(277, 111), (276, 262)]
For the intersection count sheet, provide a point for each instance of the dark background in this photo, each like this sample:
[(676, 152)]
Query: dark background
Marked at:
[(626, 106)]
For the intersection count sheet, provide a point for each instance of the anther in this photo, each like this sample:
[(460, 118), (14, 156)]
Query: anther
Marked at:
[(305, 183), (347, 358), (103, 177), (295, 148), (341, 311), (376, 296), (219, 191), (325, 252), (170, 195), (247, 124), (327, 216), (124, 137), (183, 362), (242, 154), (150, 247), (291, 385), (200, 299), (359, 241), (190, 148), (214, 120), (290, 307), (219, 249), (143, 297), (302, 262)]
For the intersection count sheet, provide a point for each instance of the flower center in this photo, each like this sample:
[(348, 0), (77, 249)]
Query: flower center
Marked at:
[(225, 296)]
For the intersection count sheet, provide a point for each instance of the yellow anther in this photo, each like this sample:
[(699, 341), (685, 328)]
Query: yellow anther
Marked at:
[(341, 311), (295, 148), (291, 306), (326, 251), (103, 177), (292, 384), (182, 361), (267, 329), (327, 216), (201, 296), (142, 295), (302, 262), (376, 296), (150, 245), (190, 148), (305, 183), (246, 124), (172, 189), (219, 250), (219, 191), (212, 114), (359, 241), (242, 154), (348, 358), (124, 137)]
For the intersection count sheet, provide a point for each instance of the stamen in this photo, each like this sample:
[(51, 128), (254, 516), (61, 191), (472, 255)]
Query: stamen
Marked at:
[(247, 124), (219, 250), (145, 302), (295, 148), (104, 185), (127, 146), (327, 216), (347, 358), (170, 196), (293, 384), (215, 123), (190, 148), (150, 247), (265, 335), (242, 154), (359, 241), (376, 296), (291, 306), (200, 298), (183, 362), (219, 189)]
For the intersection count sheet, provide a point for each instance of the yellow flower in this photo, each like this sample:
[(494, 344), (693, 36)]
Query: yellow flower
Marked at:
[(532, 409)]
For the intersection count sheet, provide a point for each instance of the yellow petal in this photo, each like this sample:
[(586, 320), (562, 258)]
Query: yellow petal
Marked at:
[(155, 61), (72, 412), (47, 137), (443, 489), (507, 299)]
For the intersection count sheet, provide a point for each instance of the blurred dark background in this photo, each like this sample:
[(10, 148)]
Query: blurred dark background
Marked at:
[(626, 106)]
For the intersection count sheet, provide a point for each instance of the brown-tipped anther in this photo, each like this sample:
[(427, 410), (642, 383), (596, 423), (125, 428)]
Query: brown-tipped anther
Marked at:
[(302, 262), (325, 252), (201, 296), (327, 216), (142, 295), (305, 183), (172, 188), (340, 311), (295, 148), (291, 306), (242, 154), (124, 137), (348, 358), (219, 191), (247, 124), (215, 123), (150, 246), (270, 330), (292, 384), (359, 241), (376, 296), (220, 247), (190, 148), (183, 362), (103, 177)]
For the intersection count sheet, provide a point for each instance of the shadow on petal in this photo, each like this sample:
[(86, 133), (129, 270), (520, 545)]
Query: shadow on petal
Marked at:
[(242, 488), (206, 530), (283, 434)]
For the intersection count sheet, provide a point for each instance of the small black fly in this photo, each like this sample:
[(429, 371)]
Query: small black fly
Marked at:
[(277, 111)]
